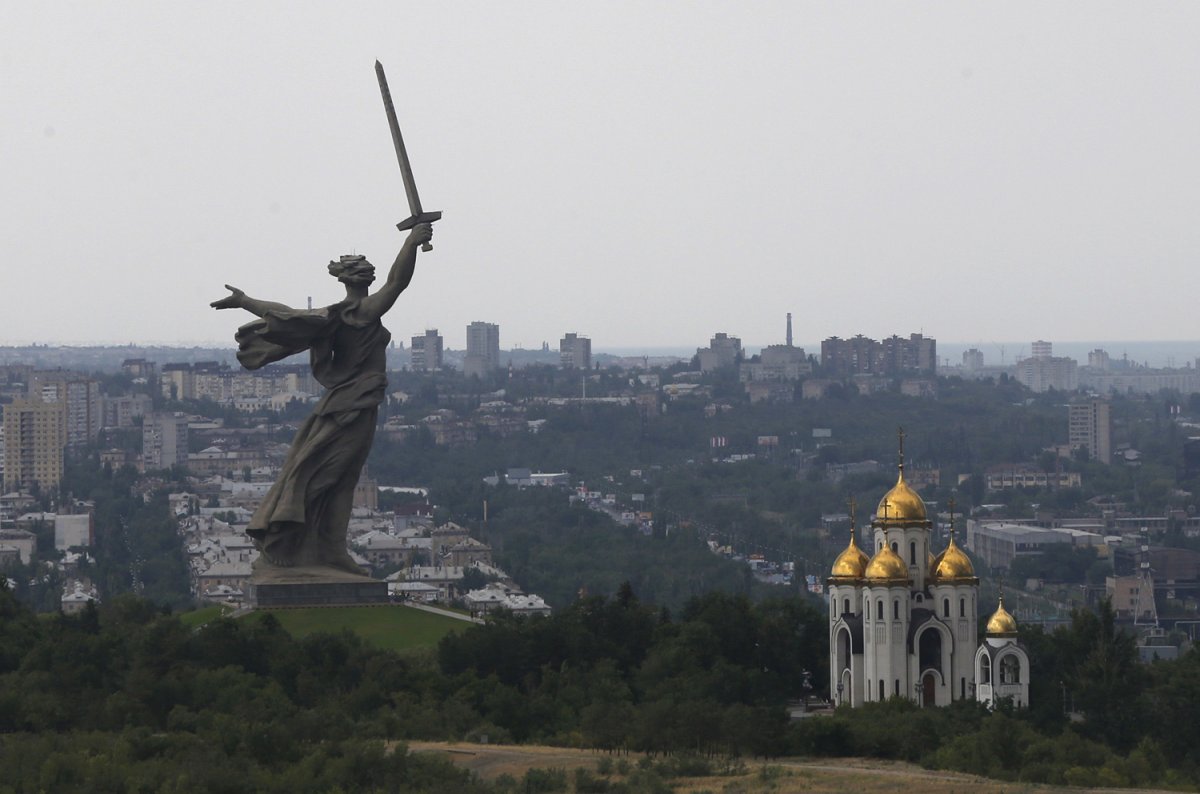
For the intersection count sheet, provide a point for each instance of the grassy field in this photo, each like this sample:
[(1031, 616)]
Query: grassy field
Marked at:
[(395, 628), (784, 776), (198, 617)]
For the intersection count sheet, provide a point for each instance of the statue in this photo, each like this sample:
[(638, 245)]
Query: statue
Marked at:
[(301, 524), (303, 519)]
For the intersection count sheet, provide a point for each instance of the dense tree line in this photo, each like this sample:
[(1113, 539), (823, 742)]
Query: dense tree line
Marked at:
[(128, 698)]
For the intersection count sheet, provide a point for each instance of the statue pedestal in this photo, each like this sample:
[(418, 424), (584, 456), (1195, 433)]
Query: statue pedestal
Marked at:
[(315, 586)]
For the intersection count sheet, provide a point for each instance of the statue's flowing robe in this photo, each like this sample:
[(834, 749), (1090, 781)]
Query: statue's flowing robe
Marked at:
[(303, 518)]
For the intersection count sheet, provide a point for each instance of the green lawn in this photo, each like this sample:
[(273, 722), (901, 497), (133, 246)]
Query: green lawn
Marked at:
[(395, 628), (198, 617)]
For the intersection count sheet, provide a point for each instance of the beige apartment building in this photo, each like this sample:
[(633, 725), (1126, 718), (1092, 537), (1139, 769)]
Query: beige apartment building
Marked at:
[(35, 434)]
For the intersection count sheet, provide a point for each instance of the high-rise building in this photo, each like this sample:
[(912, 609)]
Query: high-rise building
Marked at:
[(483, 348), (35, 434), (427, 351), (1098, 359), (176, 381), (893, 356), (1041, 349), (1090, 426), (1042, 373), (972, 360), (575, 351), (80, 397), (164, 441)]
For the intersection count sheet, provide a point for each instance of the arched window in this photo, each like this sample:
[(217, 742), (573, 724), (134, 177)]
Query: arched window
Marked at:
[(962, 607), (945, 607), (912, 553), (879, 609), (896, 609), (895, 547), (867, 609), (845, 605), (1010, 669), (881, 689), (985, 671)]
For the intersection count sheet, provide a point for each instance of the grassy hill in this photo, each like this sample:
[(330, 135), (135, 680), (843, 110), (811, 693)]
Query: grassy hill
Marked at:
[(393, 628)]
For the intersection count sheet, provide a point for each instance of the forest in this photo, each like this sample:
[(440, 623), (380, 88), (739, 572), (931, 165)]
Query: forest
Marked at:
[(127, 697)]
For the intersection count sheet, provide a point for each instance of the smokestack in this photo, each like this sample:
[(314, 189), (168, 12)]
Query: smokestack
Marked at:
[(789, 333)]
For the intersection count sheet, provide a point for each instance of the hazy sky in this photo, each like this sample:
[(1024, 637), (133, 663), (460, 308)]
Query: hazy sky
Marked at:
[(645, 173)]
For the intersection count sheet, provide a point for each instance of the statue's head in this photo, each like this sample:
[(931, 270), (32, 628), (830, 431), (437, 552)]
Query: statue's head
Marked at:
[(352, 269)]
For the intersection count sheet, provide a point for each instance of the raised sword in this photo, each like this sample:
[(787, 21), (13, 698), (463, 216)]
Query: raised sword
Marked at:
[(410, 186)]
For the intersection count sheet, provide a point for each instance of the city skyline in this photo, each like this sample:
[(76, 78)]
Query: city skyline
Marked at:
[(625, 171)]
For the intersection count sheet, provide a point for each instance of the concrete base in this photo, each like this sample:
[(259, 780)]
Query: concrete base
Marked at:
[(313, 587)]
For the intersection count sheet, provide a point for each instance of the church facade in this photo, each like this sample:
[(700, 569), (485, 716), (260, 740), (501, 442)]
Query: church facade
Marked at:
[(903, 620)]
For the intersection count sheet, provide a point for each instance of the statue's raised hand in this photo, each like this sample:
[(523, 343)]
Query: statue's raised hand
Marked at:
[(234, 301)]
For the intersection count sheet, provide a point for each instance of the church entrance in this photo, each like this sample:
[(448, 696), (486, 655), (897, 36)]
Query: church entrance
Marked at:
[(928, 690)]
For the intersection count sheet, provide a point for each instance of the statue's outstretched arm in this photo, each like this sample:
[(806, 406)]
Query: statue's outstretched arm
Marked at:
[(240, 300), (378, 303)]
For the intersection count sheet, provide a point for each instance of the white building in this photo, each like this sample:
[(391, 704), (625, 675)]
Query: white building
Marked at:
[(904, 622), (1001, 663), (71, 531)]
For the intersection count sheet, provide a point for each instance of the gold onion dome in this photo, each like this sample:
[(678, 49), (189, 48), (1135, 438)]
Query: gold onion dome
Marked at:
[(1001, 624), (953, 564), (886, 566), (851, 563), (901, 505)]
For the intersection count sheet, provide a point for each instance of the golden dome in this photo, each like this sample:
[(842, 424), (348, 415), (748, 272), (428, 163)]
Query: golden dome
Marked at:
[(901, 505), (886, 566), (850, 564), (1001, 624), (953, 564)]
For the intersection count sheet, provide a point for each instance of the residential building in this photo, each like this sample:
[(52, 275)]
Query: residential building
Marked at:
[(1099, 359), (426, 351), (1090, 427), (1042, 373), (894, 356), (164, 441), (80, 397), (35, 435), (121, 411), (140, 369), (972, 360), (1024, 475), (175, 381), (483, 349), (575, 351)]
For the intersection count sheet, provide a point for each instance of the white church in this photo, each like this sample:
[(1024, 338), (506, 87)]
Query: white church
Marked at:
[(903, 622)]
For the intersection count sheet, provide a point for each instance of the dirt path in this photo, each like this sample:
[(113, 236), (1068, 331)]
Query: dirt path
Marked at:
[(823, 776)]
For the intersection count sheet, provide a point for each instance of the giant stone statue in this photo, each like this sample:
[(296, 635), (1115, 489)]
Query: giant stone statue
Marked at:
[(300, 527)]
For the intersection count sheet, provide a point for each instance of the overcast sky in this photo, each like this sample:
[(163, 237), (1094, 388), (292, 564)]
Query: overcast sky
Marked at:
[(643, 173)]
